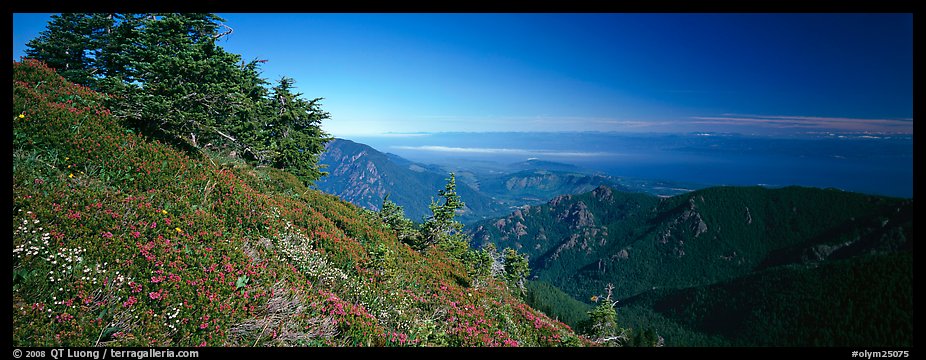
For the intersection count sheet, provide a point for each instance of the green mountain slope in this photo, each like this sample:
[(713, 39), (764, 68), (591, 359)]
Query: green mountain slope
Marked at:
[(580, 243), (119, 240), (860, 301)]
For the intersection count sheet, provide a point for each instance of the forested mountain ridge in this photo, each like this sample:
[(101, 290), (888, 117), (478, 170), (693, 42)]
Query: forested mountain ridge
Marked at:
[(640, 243), (123, 240)]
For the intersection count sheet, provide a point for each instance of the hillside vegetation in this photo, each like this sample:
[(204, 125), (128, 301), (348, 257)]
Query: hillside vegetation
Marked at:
[(860, 301), (120, 240)]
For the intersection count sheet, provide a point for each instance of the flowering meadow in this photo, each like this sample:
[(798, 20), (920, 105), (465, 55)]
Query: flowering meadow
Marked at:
[(119, 240)]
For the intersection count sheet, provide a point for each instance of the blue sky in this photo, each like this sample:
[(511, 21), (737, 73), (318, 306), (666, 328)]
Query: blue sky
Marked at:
[(760, 73)]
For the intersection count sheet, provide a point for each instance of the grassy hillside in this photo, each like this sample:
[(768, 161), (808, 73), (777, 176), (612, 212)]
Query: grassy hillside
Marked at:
[(123, 241)]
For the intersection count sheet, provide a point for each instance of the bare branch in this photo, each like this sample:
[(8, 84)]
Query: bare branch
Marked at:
[(227, 32)]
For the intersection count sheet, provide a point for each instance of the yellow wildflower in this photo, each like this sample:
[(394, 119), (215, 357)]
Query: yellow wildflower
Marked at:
[(179, 231), (22, 115), (164, 212), (71, 175)]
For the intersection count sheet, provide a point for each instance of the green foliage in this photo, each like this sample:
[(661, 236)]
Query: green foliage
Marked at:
[(441, 227), (479, 263), (294, 134), (646, 338), (72, 44), (168, 78), (394, 217), (241, 282), (602, 322), (516, 267), (442, 232), (554, 302)]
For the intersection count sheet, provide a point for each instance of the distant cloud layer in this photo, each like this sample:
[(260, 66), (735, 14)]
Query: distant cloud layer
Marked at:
[(817, 123), (504, 151), (398, 135)]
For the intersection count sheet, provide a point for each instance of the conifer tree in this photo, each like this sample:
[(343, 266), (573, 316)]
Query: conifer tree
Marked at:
[(294, 132), (169, 79), (440, 227), (516, 268), (603, 321), (71, 44), (394, 217)]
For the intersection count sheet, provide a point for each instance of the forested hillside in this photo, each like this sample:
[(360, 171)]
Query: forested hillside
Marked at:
[(860, 301), (713, 236)]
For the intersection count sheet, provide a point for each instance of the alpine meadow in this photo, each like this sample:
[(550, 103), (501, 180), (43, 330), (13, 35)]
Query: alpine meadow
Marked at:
[(463, 180)]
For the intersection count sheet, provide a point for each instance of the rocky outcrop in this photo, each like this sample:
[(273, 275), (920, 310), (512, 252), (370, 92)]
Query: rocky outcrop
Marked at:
[(577, 216), (500, 224), (689, 221), (566, 245), (520, 229), (559, 199), (603, 194)]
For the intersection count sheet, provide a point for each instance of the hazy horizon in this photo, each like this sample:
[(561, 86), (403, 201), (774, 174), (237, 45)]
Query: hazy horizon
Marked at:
[(862, 163)]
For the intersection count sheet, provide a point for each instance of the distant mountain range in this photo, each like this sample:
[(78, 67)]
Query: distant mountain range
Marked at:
[(726, 265), (364, 176)]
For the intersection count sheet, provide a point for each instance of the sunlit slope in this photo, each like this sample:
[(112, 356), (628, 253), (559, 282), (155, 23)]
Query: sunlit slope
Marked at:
[(120, 240)]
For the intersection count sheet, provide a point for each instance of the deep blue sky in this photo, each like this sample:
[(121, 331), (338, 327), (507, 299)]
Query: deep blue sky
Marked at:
[(762, 73)]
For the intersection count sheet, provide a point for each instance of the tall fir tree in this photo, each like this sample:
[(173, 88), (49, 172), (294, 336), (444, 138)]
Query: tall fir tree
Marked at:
[(294, 131), (71, 44), (441, 227), (169, 79)]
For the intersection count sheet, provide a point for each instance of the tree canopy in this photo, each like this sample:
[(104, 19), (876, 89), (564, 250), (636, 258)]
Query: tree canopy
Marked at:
[(168, 78)]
